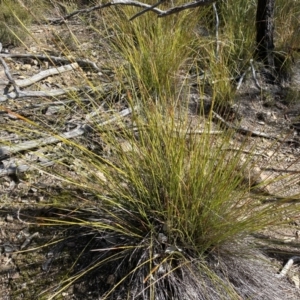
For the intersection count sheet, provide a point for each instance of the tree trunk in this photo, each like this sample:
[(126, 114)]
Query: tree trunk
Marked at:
[(265, 32)]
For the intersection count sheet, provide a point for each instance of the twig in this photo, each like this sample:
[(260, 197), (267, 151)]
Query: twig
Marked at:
[(282, 170), (28, 240), (21, 165), (189, 5), (241, 79), (147, 9), (191, 132), (287, 266), (104, 88), (84, 63), (245, 151), (81, 129), (27, 94), (249, 132), (255, 78), (18, 217), (159, 12), (14, 169), (55, 103), (217, 30), (9, 77), (44, 74)]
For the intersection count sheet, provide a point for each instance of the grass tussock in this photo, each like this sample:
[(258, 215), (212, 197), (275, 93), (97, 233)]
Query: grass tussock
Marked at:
[(166, 200), (156, 49)]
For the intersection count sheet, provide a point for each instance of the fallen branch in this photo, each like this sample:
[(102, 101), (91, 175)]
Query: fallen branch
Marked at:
[(189, 5), (287, 266), (198, 131), (84, 63), (249, 132), (9, 77), (28, 240), (147, 9), (56, 103), (159, 12), (43, 74), (282, 170), (13, 168), (254, 76), (17, 93), (240, 81), (6, 151), (27, 94)]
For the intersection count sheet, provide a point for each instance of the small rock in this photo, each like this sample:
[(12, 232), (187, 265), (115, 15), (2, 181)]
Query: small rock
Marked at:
[(295, 279), (15, 275), (101, 176), (6, 184), (126, 146), (13, 116), (110, 279), (26, 67), (9, 218), (40, 198), (7, 248), (32, 190), (24, 285), (33, 49), (162, 238)]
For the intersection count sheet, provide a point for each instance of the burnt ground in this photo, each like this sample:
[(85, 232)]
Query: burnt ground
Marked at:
[(29, 263)]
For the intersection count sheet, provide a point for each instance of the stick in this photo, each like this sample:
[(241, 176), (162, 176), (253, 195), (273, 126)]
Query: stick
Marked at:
[(84, 63), (255, 78), (287, 266), (217, 30), (81, 129), (159, 12), (146, 10), (26, 94), (43, 74), (249, 132), (8, 75)]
